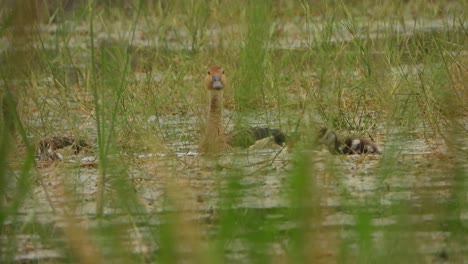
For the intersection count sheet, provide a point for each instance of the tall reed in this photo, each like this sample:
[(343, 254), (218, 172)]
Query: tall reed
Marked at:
[(361, 68)]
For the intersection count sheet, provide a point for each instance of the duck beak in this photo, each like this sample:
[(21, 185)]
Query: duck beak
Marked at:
[(217, 84)]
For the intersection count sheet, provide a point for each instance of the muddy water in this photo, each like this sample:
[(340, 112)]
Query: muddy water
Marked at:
[(418, 180)]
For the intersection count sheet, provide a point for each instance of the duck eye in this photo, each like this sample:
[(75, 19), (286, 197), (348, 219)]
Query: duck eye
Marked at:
[(209, 73), (223, 71)]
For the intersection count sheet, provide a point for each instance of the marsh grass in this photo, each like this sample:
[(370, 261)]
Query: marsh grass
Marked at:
[(123, 76)]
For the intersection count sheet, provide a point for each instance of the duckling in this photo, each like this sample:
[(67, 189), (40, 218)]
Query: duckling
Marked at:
[(215, 139), (348, 146)]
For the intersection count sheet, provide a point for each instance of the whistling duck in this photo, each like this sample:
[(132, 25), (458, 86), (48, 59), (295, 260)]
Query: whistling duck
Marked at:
[(47, 147), (215, 139), (348, 146)]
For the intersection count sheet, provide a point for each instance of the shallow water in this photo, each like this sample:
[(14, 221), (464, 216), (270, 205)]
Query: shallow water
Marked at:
[(420, 180), (195, 183)]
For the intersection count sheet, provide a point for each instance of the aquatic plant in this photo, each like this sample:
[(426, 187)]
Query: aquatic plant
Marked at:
[(125, 77)]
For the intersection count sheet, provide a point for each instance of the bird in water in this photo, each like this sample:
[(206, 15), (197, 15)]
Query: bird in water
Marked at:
[(215, 139), (47, 147), (348, 146)]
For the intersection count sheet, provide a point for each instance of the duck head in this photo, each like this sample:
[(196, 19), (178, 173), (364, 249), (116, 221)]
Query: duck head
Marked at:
[(215, 79)]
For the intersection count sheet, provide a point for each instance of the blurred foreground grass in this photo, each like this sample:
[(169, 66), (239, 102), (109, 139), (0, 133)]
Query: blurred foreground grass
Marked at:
[(127, 77)]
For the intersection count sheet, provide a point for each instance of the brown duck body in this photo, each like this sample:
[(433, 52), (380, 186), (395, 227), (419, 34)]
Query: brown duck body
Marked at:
[(348, 146), (215, 139)]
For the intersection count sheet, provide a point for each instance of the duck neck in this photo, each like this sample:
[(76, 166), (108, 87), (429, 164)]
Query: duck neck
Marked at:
[(333, 143), (214, 139), (215, 114), (216, 101)]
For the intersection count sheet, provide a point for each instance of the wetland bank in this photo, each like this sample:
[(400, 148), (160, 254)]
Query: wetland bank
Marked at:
[(127, 78)]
